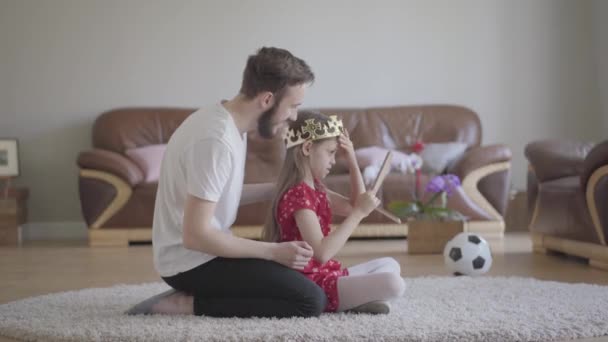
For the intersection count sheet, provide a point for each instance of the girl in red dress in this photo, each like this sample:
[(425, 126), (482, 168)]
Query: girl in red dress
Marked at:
[(302, 210)]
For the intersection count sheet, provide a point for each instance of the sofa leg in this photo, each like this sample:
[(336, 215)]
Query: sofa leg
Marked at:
[(602, 265), (118, 237), (537, 243), (596, 254), (101, 238)]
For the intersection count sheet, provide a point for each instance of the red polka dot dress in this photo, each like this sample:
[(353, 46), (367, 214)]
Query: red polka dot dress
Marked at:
[(302, 196)]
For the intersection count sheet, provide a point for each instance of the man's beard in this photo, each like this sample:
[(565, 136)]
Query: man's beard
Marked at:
[(265, 124)]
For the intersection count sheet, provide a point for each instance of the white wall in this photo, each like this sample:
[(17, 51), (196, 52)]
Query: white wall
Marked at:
[(600, 34), (527, 67)]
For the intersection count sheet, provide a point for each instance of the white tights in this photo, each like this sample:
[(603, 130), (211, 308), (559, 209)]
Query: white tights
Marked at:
[(378, 279)]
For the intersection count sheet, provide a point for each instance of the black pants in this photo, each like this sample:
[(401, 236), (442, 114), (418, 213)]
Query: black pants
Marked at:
[(226, 287)]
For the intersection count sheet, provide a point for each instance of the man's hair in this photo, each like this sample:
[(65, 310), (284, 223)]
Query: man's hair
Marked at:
[(273, 69)]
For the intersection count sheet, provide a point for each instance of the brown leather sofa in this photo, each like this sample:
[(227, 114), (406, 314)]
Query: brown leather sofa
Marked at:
[(568, 196), (118, 205)]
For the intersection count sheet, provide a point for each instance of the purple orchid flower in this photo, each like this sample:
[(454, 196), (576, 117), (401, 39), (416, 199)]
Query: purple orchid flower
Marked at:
[(444, 183), (435, 185), (453, 182)]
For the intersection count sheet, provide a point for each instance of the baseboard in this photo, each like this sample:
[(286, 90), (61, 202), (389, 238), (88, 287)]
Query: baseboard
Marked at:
[(54, 231)]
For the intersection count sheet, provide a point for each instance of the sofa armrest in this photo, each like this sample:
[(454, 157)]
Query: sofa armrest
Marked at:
[(111, 162), (531, 191), (594, 180), (477, 157), (553, 159), (486, 177), (596, 158)]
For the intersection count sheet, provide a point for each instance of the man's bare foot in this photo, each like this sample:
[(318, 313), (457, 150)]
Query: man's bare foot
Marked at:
[(170, 302), (377, 307), (177, 303)]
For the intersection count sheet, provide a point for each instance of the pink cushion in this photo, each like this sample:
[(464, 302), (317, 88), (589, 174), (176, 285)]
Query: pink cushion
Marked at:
[(148, 158), (372, 155), (436, 157)]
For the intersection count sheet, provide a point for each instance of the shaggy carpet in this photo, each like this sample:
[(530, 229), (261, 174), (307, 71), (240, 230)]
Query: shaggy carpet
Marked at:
[(433, 309)]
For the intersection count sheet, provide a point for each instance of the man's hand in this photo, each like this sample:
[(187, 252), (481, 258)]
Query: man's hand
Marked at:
[(293, 254)]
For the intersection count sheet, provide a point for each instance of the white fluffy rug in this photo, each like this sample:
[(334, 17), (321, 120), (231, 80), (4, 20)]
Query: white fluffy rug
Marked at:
[(433, 309)]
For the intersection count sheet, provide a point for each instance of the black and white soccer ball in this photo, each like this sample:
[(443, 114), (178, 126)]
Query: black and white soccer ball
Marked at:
[(467, 254)]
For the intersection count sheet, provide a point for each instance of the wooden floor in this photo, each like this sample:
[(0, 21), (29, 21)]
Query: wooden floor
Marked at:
[(40, 268)]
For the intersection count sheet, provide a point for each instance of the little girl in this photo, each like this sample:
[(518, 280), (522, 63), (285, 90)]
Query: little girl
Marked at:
[(301, 211)]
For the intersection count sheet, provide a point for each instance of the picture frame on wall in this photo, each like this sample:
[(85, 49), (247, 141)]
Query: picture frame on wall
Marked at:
[(9, 158)]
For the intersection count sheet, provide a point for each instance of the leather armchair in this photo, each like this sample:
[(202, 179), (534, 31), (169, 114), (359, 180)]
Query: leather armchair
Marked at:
[(568, 196)]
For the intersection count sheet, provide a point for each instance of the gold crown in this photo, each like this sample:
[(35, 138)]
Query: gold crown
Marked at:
[(314, 130)]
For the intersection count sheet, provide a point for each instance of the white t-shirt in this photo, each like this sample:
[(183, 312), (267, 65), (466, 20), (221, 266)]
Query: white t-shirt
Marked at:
[(205, 157)]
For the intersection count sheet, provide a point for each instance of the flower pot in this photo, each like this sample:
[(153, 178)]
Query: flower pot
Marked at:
[(430, 237)]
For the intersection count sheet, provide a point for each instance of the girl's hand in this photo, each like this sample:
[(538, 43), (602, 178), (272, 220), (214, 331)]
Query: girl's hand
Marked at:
[(366, 203), (346, 145)]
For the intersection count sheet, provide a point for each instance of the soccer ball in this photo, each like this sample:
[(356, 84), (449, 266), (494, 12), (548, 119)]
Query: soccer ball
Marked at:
[(467, 254)]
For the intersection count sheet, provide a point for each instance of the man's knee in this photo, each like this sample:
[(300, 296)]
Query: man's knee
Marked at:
[(314, 302), (308, 299)]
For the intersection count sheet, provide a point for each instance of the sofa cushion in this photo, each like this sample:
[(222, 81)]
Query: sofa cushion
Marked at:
[(370, 156), (564, 184), (438, 156), (149, 159)]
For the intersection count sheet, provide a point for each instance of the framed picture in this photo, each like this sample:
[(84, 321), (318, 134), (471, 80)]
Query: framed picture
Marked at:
[(9, 158)]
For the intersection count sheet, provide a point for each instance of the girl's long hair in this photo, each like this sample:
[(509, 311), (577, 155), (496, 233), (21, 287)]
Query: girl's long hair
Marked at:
[(291, 174)]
